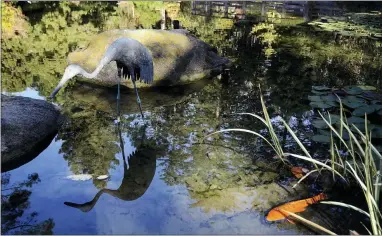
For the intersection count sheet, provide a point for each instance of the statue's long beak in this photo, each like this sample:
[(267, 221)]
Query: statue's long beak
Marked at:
[(87, 206), (64, 79)]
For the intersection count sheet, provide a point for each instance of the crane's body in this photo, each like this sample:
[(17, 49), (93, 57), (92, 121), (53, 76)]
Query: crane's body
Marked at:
[(133, 60)]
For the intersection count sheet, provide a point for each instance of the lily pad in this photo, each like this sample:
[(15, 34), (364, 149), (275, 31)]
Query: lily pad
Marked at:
[(376, 107), (329, 98), (319, 124), (353, 102), (355, 119), (321, 138), (376, 132), (320, 88), (367, 87), (324, 132), (319, 92), (322, 105), (360, 111), (335, 119), (371, 95), (314, 98), (353, 90)]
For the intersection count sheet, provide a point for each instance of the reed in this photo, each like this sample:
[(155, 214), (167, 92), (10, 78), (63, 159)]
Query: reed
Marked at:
[(364, 167)]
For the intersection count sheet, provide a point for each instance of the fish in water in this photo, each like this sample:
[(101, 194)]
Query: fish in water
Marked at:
[(278, 213)]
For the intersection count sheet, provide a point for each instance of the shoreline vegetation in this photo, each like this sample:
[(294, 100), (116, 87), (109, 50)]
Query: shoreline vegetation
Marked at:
[(362, 168)]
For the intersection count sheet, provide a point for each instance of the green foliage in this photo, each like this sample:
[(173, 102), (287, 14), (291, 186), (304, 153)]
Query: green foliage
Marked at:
[(356, 104), (267, 35), (13, 22), (15, 205), (148, 13), (352, 24)]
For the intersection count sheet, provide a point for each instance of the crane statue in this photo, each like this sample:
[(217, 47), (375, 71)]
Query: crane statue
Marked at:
[(133, 61)]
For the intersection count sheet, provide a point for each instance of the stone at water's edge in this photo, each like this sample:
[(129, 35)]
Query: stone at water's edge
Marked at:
[(178, 57), (27, 128)]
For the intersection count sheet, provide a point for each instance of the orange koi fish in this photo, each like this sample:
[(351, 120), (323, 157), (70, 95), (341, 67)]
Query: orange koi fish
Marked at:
[(278, 213)]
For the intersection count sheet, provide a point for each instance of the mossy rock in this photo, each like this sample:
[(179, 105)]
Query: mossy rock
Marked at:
[(178, 57)]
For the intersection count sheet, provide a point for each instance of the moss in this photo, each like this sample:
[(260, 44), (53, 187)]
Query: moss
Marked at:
[(165, 46)]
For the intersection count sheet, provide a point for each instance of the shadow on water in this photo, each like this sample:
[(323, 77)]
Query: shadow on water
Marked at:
[(137, 175)]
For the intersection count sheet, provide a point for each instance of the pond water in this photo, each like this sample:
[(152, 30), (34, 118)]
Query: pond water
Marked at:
[(177, 180)]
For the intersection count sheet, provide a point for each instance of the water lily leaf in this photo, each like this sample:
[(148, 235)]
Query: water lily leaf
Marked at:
[(354, 99), (319, 124), (319, 92), (329, 98), (353, 90), (360, 126), (321, 138), (371, 95), (324, 132), (314, 98), (376, 132), (335, 119), (353, 102), (320, 88), (322, 105), (379, 112), (367, 87), (360, 111), (355, 119), (376, 107)]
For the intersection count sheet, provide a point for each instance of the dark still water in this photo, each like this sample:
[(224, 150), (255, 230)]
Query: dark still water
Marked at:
[(176, 180)]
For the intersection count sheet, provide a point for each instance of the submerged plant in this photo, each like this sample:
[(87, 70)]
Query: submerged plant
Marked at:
[(364, 165)]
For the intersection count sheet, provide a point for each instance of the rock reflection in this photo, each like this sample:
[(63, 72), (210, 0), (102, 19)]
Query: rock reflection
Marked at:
[(137, 177)]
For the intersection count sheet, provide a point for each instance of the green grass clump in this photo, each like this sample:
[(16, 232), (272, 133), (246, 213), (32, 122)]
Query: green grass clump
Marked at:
[(364, 166)]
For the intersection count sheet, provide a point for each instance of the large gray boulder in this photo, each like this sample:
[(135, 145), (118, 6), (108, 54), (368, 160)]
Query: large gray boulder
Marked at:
[(27, 128), (178, 57)]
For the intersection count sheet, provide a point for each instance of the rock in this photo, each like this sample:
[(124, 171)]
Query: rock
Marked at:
[(28, 127), (178, 57)]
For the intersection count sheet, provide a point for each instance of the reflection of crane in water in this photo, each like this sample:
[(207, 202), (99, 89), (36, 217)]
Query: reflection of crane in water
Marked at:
[(133, 60), (136, 179)]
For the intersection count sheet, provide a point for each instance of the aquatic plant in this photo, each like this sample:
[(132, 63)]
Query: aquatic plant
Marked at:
[(363, 166), (352, 25), (356, 100), (267, 35)]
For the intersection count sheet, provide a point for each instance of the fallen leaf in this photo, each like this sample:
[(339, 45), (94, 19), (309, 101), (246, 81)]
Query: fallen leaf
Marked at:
[(299, 172)]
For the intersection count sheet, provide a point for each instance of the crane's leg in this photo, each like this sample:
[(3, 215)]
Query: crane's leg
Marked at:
[(118, 98), (136, 91)]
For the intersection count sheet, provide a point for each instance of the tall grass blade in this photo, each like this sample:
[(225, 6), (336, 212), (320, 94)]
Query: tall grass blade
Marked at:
[(299, 143), (310, 223), (346, 205), (315, 162)]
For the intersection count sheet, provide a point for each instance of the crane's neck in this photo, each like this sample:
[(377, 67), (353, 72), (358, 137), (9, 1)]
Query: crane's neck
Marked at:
[(104, 61)]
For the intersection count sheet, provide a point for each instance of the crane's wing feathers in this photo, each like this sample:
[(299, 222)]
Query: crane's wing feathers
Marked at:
[(146, 72)]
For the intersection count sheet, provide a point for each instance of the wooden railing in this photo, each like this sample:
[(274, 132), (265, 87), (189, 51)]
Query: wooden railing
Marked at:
[(258, 10)]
